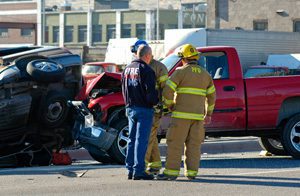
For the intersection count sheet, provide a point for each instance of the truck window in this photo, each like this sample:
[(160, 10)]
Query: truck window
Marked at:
[(215, 63), (170, 61)]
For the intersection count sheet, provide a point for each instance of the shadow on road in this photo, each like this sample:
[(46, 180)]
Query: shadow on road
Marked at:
[(69, 171), (259, 162), (251, 163), (248, 180)]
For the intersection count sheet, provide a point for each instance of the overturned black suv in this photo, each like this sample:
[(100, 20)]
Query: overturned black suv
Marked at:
[(35, 85)]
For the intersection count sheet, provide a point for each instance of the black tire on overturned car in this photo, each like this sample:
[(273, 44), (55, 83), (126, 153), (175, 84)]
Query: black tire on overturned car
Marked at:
[(44, 70), (54, 109)]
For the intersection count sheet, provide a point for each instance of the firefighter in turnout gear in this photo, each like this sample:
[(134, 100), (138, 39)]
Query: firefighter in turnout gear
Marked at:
[(190, 94), (152, 158)]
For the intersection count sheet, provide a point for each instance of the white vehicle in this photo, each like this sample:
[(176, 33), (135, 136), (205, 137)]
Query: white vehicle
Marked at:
[(118, 50), (253, 47)]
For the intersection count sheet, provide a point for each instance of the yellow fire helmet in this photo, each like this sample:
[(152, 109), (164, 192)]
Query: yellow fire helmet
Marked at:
[(188, 51)]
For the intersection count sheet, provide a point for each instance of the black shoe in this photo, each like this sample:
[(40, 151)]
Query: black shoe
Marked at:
[(143, 176), (153, 171), (165, 177), (130, 176), (191, 177)]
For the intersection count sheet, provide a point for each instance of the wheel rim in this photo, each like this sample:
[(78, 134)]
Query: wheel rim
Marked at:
[(295, 136), (54, 111), (123, 140), (46, 66), (275, 143)]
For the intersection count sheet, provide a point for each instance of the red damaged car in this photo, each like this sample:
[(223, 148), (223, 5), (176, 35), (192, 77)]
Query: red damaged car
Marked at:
[(267, 107), (93, 69)]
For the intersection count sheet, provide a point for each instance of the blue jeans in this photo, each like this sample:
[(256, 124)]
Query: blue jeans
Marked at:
[(140, 122)]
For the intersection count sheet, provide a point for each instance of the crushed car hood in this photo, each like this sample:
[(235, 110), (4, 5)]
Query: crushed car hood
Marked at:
[(104, 80)]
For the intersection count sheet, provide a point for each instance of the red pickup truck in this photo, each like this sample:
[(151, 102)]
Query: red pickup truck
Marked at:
[(268, 107)]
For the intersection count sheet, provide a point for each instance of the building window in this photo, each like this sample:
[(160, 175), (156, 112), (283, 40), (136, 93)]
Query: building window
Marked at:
[(187, 26), (55, 34), (3, 32), (110, 32), (172, 26), (297, 26), (161, 31), (82, 33), (97, 33), (126, 31), (69, 33), (194, 14), (260, 25), (141, 31), (26, 32), (46, 34)]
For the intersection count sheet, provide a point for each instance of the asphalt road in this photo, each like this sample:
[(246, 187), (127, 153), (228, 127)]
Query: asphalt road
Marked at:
[(222, 173), (219, 174)]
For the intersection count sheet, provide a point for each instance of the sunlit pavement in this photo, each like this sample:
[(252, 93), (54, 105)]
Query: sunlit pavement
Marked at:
[(210, 146), (244, 173)]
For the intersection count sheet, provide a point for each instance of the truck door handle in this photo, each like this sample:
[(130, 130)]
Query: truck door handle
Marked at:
[(229, 88)]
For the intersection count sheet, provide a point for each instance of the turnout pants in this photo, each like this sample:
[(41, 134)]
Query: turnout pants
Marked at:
[(152, 157), (188, 134)]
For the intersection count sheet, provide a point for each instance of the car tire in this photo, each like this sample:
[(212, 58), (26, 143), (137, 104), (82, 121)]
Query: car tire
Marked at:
[(272, 145), (119, 147), (54, 111), (43, 70), (99, 155), (291, 136), (23, 61)]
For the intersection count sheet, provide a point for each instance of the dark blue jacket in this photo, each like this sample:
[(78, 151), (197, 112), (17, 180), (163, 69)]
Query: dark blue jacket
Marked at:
[(138, 85)]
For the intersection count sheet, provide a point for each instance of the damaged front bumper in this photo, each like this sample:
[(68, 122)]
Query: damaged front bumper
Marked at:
[(84, 130)]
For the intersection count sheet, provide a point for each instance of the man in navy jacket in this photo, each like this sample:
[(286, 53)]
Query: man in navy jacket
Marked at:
[(138, 87)]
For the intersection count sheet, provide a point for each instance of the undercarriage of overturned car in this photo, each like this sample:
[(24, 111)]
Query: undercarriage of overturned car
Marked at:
[(35, 85)]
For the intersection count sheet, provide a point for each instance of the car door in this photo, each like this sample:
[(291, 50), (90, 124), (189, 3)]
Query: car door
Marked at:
[(229, 112)]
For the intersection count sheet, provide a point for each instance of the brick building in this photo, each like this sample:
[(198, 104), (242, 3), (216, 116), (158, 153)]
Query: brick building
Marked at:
[(268, 15), (135, 18), (18, 21)]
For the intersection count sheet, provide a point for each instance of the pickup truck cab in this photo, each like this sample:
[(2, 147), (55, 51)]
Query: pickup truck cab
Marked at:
[(267, 107)]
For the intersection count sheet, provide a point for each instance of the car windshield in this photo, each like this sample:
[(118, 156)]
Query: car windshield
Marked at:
[(111, 68), (170, 61), (256, 72), (90, 69)]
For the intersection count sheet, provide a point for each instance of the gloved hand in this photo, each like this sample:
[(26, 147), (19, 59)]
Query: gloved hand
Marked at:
[(171, 107), (158, 108)]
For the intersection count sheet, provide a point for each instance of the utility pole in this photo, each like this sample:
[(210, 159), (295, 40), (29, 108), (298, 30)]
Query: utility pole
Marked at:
[(157, 21), (43, 22), (40, 22)]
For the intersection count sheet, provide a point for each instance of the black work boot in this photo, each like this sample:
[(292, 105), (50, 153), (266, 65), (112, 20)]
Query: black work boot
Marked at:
[(165, 177), (191, 177), (143, 176), (153, 171), (130, 176)]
